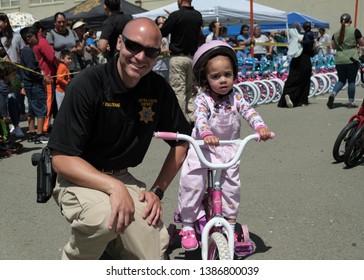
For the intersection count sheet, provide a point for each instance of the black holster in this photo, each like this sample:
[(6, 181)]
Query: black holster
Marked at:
[(46, 177)]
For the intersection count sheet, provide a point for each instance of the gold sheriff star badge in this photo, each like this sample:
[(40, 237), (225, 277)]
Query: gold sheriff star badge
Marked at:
[(146, 114)]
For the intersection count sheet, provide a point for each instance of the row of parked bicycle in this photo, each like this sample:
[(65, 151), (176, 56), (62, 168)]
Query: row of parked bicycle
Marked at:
[(262, 82)]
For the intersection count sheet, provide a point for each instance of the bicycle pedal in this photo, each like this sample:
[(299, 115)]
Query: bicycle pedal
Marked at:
[(244, 248), (177, 217)]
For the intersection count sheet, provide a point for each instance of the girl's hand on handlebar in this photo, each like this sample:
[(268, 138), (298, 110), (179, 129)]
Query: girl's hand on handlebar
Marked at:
[(264, 133), (153, 211), (211, 140)]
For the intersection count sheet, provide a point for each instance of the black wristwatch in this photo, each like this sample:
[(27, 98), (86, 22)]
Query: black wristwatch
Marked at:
[(158, 192)]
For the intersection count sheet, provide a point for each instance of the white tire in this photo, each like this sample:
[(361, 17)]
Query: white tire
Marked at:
[(250, 92)]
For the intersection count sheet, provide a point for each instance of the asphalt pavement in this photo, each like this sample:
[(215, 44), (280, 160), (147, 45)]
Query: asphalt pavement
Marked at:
[(297, 202)]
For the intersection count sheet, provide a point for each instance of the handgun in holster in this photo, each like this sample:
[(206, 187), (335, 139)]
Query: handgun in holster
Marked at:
[(46, 177)]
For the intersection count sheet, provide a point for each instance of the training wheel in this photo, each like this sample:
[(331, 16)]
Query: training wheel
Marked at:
[(245, 233)]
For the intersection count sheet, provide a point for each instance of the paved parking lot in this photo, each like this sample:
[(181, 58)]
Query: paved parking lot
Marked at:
[(297, 202)]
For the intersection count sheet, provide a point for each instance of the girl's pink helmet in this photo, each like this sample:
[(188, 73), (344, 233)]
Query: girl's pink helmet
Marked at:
[(208, 51)]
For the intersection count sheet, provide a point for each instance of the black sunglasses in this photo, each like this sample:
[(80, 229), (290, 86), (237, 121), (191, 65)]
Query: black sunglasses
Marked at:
[(137, 48)]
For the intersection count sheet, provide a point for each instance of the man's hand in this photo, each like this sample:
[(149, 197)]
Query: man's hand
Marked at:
[(153, 211), (122, 209)]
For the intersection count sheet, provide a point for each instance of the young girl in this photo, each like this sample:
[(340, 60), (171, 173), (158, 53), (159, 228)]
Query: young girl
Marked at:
[(63, 75), (217, 116)]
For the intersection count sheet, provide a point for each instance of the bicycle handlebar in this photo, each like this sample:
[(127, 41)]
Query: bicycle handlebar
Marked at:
[(197, 143)]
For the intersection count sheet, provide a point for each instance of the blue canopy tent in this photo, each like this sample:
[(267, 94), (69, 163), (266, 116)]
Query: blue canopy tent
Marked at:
[(234, 30), (301, 18)]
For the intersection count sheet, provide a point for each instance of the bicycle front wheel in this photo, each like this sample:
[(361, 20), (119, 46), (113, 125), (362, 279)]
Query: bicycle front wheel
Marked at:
[(355, 149), (218, 248), (343, 139)]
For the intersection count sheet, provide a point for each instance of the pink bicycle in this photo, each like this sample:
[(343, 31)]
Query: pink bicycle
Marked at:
[(215, 235)]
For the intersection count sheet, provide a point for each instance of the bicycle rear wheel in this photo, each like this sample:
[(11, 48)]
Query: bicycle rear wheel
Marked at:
[(343, 139), (355, 149), (218, 248)]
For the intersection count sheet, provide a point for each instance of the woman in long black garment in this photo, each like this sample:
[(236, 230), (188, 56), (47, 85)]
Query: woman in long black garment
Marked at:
[(297, 86)]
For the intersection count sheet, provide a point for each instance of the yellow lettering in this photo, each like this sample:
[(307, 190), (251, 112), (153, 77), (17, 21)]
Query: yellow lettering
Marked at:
[(112, 104)]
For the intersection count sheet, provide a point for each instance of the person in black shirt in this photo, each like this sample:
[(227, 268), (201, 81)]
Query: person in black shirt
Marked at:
[(112, 27), (184, 25), (105, 125)]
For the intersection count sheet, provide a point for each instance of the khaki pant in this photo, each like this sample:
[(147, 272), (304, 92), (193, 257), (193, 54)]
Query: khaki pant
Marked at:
[(181, 79), (88, 212)]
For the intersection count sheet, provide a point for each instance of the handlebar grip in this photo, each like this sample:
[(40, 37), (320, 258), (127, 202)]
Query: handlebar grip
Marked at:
[(272, 135), (166, 135)]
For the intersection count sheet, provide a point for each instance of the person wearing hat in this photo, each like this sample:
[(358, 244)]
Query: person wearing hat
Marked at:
[(78, 24), (79, 28), (345, 41)]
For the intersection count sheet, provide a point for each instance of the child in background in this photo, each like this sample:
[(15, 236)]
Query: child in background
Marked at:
[(63, 75), (34, 86), (91, 41), (218, 108), (7, 76), (91, 47)]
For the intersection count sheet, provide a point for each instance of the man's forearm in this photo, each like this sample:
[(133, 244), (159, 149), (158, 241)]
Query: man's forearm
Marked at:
[(171, 166)]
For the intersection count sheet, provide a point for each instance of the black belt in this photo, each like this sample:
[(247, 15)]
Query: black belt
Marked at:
[(113, 171)]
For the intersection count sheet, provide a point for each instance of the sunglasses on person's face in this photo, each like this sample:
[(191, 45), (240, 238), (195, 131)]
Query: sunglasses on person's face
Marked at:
[(135, 47)]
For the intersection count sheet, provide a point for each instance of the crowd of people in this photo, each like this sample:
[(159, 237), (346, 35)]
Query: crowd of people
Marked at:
[(93, 88), (177, 48)]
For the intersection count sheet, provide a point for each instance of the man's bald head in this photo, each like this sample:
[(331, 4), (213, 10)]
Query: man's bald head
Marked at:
[(143, 28)]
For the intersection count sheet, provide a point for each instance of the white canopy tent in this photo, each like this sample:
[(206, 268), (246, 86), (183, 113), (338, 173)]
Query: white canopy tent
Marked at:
[(228, 12)]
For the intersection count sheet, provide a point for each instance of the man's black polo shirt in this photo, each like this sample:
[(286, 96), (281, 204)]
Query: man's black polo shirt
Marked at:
[(110, 126), (184, 25), (112, 27)]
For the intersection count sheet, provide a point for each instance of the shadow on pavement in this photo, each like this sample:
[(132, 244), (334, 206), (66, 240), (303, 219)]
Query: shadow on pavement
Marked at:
[(260, 247)]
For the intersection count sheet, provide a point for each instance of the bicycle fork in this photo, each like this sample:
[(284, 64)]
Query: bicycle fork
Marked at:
[(217, 220)]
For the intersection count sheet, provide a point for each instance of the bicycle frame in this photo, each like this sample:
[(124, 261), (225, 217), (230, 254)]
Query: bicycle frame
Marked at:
[(360, 115), (351, 136), (214, 216)]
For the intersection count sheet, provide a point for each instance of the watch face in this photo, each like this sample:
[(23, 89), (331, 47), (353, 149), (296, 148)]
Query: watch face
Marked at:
[(158, 192)]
